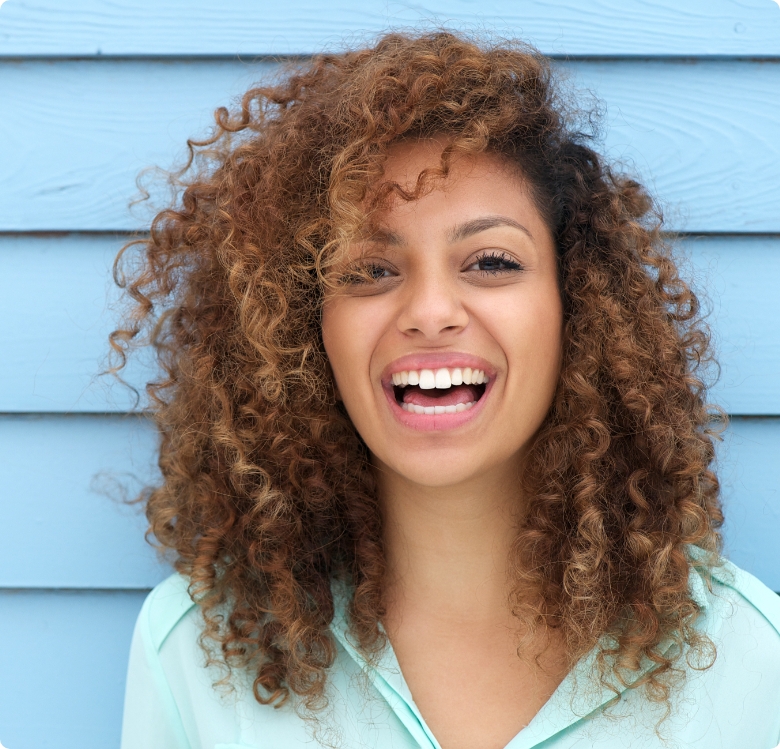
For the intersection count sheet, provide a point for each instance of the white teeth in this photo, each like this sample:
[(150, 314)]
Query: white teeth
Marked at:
[(412, 408), (427, 379), (443, 380), (440, 378)]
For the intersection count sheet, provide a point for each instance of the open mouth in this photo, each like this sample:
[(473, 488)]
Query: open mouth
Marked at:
[(439, 391)]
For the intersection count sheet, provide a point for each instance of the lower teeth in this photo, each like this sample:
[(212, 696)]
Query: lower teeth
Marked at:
[(414, 409)]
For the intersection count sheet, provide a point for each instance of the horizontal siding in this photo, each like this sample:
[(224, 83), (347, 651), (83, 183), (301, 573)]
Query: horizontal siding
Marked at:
[(749, 469), (704, 135), (63, 665), (63, 521), (689, 106), (53, 351), (64, 527), (179, 27)]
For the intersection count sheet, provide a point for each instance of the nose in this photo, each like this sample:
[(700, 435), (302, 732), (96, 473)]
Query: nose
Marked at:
[(431, 308)]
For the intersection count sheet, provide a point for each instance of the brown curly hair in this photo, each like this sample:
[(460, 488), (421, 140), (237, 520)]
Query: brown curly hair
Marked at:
[(267, 493)]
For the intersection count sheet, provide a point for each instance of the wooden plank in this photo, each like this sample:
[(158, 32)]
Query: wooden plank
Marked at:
[(75, 134), (63, 661), (563, 27), (737, 279), (750, 472), (63, 519), (63, 527), (56, 301), (56, 295)]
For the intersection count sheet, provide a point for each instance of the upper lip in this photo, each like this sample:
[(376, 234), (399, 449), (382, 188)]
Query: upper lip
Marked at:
[(449, 360)]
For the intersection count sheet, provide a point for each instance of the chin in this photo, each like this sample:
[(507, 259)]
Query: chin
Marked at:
[(438, 469)]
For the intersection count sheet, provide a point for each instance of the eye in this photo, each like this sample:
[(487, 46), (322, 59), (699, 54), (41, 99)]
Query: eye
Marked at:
[(368, 272), (494, 263), (377, 271)]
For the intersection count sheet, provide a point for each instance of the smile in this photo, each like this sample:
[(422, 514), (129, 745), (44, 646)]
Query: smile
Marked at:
[(438, 391), (437, 397)]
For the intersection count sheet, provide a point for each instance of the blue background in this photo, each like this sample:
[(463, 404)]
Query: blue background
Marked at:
[(92, 91)]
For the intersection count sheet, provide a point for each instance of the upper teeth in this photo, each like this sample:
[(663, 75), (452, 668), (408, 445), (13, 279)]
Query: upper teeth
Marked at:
[(428, 379)]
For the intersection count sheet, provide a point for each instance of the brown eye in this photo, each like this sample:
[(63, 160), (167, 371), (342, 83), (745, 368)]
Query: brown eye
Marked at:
[(493, 262), (365, 273), (377, 271)]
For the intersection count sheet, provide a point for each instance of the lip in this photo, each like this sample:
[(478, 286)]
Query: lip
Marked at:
[(436, 422)]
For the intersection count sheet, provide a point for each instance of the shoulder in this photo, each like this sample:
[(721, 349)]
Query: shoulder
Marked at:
[(741, 617), (736, 592), (164, 608)]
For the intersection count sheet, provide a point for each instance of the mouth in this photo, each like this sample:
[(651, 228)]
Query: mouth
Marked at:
[(437, 398), (439, 391)]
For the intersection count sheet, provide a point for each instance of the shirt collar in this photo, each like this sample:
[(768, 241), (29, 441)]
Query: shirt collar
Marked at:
[(580, 695), (384, 673)]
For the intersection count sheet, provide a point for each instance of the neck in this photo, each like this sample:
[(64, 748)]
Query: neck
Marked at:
[(447, 548)]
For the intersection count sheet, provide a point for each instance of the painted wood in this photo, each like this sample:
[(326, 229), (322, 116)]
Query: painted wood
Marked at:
[(63, 665), (563, 27), (749, 470), (74, 135), (64, 526), (64, 518), (57, 308)]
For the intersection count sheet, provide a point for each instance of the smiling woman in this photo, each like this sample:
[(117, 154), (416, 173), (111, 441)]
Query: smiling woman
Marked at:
[(436, 457)]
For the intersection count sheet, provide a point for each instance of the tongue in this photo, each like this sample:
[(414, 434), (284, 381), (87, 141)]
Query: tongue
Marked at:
[(450, 397)]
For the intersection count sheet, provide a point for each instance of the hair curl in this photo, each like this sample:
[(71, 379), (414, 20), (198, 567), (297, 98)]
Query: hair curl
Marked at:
[(267, 493)]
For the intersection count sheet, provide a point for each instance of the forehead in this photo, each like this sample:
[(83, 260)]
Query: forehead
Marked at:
[(477, 187), (406, 160)]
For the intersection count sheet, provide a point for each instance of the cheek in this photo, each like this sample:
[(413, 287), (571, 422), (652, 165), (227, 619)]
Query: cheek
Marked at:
[(334, 338), (347, 336), (529, 328)]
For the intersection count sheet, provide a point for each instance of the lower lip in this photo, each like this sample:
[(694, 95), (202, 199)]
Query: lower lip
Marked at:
[(436, 422)]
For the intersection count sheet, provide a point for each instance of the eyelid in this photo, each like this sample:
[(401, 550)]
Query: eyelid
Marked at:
[(496, 254), (358, 277)]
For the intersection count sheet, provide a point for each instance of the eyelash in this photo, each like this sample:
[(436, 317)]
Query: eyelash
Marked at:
[(498, 257), (510, 265), (363, 274)]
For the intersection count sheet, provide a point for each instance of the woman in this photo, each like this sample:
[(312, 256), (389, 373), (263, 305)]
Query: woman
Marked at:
[(436, 459)]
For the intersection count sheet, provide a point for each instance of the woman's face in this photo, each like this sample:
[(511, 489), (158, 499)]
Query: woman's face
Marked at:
[(447, 362)]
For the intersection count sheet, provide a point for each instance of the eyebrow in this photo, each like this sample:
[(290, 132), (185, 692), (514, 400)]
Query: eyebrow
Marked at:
[(384, 236), (469, 228), (456, 234)]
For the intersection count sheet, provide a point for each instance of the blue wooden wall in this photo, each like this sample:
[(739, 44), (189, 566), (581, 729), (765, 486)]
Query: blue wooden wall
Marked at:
[(92, 91)]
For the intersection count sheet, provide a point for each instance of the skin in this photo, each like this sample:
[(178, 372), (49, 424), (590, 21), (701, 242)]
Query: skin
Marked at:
[(450, 496)]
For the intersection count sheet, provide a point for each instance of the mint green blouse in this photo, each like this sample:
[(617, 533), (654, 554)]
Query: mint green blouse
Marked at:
[(171, 701)]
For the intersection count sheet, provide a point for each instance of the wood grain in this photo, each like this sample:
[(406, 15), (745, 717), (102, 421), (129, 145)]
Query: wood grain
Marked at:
[(75, 135), (58, 306), (561, 27), (63, 660)]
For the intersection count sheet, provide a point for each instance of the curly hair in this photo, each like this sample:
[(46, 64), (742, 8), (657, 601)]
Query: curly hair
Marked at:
[(267, 493)]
